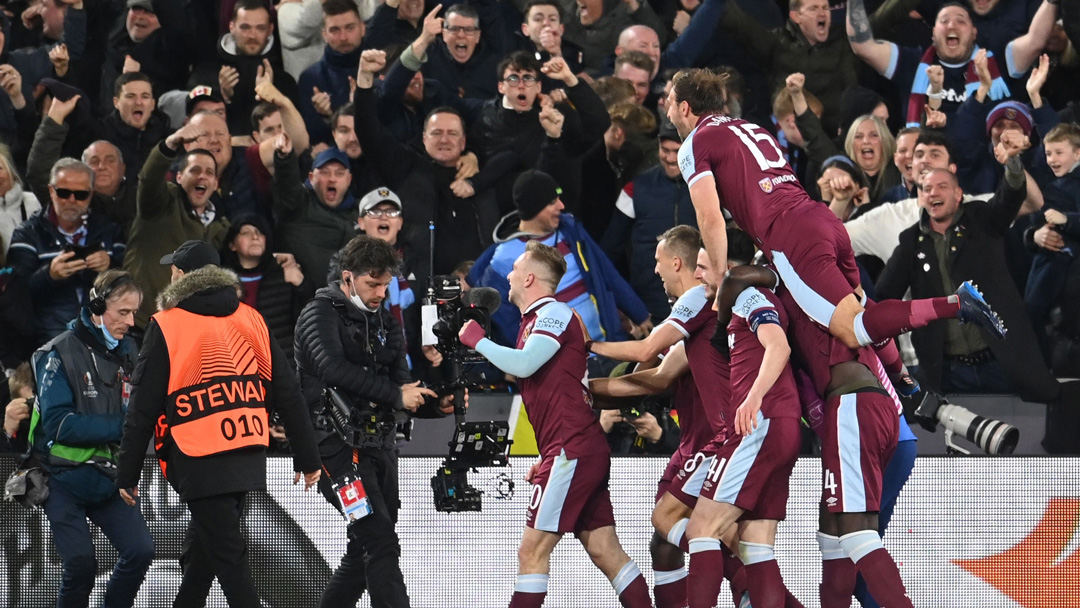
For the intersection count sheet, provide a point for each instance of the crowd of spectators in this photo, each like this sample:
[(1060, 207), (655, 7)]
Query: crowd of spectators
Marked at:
[(275, 133)]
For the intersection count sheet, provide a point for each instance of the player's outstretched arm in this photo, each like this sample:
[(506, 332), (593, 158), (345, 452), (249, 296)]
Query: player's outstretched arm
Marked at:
[(648, 382), (639, 351), (537, 351)]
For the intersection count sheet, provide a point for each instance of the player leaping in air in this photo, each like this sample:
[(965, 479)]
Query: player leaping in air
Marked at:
[(737, 166)]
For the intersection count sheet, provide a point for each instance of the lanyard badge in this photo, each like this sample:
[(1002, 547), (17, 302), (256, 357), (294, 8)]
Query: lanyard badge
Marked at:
[(353, 498)]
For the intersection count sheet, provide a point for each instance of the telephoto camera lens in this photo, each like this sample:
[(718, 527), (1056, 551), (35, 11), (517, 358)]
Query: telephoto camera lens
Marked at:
[(992, 436)]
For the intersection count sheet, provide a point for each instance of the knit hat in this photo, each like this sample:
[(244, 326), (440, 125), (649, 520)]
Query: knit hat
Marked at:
[(534, 190), (667, 131), (247, 219), (198, 94), (1012, 110)]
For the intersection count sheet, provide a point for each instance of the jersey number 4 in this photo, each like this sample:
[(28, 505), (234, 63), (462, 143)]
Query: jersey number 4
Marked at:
[(745, 132)]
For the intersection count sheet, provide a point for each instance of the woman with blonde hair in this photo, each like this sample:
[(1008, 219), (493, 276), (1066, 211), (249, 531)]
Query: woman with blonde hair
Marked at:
[(16, 206), (870, 144)]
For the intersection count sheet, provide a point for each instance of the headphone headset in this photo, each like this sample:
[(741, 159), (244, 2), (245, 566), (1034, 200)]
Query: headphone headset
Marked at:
[(98, 303)]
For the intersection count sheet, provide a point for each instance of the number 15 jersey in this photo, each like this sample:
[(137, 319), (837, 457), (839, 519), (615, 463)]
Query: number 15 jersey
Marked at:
[(753, 180)]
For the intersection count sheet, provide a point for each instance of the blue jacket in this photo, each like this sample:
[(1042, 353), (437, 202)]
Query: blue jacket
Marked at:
[(331, 75), (608, 289), (58, 417), (34, 245)]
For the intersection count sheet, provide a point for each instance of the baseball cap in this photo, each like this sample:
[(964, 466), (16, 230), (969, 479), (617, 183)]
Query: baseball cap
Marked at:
[(330, 155), (200, 92), (376, 196), (146, 5), (1012, 110), (668, 131), (534, 190), (192, 255)]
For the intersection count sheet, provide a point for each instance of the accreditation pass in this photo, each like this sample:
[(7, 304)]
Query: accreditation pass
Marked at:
[(353, 498)]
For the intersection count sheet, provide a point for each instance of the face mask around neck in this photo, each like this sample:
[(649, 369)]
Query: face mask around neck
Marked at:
[(110, 341)]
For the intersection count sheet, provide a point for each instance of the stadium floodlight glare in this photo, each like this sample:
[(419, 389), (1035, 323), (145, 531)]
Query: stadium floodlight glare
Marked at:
[(992, 436)]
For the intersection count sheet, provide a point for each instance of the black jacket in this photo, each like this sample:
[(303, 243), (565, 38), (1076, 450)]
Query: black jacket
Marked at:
[(157, 54), (208, 292), (278, 301), (977, 253), (359, 353), (463, 226), (135, 145)]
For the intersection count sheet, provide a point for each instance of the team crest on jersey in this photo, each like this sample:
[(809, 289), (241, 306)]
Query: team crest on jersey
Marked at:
[(765, 184)]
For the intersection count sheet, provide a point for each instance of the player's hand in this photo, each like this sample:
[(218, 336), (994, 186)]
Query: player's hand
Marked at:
[(98, 261), (530, 475), (1055, 217), (471, 333), (1049, 239), (65, 265), (321, 102), (412, 395), (228, 78), (746, 416), (129, 496)]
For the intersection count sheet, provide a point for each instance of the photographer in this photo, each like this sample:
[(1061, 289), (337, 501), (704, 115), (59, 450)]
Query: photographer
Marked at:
[(646, 428), (346, 340)]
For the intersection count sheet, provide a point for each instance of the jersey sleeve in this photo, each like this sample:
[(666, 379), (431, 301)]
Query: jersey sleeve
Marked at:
[(689, 312), (625, 203), (756, 308), (694, 159), (552, 321)]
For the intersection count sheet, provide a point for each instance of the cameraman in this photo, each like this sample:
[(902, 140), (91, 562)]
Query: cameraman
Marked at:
[(345, 339), (646, 428)]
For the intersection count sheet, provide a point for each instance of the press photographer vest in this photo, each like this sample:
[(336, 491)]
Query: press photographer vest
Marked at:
[(219, 372), (99, 385)]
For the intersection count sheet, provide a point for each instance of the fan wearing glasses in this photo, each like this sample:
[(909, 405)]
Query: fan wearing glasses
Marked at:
[(464, 58), (61, 248)]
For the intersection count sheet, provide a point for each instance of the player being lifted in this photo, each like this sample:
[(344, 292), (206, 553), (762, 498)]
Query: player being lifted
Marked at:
[(700, 395), (736, 165), (570, 483)]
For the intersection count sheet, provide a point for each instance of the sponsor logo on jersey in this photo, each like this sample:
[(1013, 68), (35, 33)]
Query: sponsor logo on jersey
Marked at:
[(550, 324), (768, 183), (682, 311)]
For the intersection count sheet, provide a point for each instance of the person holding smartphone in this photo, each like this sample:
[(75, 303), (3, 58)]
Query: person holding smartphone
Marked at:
[(60, 249)]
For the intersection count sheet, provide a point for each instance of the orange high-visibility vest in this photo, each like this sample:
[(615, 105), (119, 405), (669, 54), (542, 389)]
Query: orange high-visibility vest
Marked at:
[(219, 372)]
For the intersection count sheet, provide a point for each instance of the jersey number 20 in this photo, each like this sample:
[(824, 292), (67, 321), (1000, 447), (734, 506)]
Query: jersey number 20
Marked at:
[(759, 135)]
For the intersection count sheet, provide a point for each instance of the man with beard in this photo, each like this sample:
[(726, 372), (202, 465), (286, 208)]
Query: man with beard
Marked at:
[(325, 85)]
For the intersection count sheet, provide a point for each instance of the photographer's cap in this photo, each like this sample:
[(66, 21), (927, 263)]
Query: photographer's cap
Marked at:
[(192, 255), (534, 190), (376, 196)]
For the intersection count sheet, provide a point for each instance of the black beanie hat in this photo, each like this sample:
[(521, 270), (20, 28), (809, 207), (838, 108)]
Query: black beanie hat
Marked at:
[(534, 190)]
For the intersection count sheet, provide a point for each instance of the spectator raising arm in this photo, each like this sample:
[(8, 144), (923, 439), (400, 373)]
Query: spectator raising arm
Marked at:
[(878, 54)]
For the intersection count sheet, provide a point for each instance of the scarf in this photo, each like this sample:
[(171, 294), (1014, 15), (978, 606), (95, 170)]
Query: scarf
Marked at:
[(920, 84)]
